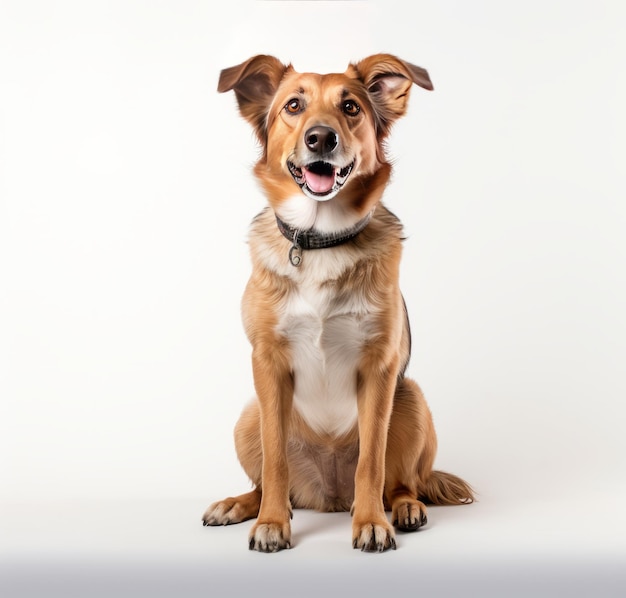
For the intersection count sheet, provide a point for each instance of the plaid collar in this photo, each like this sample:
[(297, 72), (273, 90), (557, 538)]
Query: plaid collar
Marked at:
[(312, 239)]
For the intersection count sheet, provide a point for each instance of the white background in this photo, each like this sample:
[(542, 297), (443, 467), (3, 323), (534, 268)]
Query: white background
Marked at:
[(125, 196)]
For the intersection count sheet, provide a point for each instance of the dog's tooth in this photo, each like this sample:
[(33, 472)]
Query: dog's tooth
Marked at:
[(343, 174)]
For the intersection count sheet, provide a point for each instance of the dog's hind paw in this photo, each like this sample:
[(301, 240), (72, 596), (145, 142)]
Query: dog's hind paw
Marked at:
[(408, 515), (223, 512), (233, 510)]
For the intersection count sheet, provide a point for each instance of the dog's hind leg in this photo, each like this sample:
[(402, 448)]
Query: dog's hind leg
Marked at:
[(248, 444), (411, 447)]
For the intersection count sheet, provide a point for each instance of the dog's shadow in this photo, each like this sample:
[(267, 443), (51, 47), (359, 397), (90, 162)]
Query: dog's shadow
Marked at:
[(307, 523)]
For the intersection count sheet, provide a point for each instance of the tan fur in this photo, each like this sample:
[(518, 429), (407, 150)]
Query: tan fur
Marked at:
[(385, 458)]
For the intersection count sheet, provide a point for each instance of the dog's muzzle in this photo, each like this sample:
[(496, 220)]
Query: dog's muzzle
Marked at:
[(321, 178)]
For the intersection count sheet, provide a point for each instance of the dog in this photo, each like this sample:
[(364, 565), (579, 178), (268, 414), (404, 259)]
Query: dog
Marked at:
[(336, 425)]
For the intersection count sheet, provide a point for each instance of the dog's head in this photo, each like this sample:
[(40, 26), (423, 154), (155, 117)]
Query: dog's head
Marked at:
[(322, 135)]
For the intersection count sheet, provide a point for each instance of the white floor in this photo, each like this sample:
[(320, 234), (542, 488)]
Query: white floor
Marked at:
[(566, 546)]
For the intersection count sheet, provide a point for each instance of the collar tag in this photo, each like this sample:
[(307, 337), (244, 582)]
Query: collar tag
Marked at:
[(295, 255)]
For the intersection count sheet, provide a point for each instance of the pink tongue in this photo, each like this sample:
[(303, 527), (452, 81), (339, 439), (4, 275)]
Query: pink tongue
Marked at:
[(318, 183)]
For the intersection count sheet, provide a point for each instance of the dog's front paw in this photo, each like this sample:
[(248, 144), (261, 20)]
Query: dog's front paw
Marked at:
[(270, 537), (373, 536)]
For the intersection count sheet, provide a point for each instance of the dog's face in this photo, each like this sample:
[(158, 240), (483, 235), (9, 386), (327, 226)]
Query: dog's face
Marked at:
[(320, 132), (322, 135)]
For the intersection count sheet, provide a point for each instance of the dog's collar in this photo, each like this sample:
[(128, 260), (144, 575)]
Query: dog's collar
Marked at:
[(312, 239)]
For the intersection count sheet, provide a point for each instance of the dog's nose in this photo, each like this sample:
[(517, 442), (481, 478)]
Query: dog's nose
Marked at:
[(321, 139)]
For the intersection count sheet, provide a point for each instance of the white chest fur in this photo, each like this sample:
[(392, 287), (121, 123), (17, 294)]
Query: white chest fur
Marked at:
[(326, 334)]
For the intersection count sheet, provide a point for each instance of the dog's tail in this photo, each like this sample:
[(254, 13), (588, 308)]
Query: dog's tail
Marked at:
[(443, 488)]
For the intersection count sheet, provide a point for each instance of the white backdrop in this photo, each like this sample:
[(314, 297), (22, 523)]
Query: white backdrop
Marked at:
[(125, 196)]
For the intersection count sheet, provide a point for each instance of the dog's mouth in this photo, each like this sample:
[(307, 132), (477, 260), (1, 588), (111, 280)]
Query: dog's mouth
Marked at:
[(320, 180)]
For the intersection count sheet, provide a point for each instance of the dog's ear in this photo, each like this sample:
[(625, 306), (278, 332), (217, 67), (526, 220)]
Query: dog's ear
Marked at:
[(254, 82), (388, 81)]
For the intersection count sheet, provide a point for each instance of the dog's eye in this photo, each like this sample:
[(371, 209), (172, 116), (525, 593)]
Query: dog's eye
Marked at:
[(293, 106), (351, 108)]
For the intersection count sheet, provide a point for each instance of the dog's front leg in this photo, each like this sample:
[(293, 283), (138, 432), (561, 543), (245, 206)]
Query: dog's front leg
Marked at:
[(371, 531), (274, 385)]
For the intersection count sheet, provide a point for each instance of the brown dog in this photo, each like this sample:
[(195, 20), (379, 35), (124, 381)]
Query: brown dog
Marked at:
[(336, 425)]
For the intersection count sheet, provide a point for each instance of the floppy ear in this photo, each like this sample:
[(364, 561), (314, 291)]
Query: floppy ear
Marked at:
[(388, 81), (255, 82)]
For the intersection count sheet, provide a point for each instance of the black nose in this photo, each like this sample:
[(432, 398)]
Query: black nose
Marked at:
[(321, 139)]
